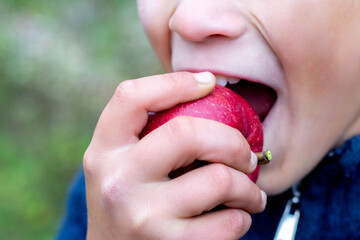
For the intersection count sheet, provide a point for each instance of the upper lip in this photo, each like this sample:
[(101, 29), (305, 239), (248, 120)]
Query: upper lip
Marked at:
[(262, 103)]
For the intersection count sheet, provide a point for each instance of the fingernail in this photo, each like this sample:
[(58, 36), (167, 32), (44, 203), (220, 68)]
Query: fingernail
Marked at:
[(263, 196), (253, 160), (204, 77)]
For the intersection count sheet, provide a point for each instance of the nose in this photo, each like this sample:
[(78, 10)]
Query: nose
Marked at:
[(197, 20)]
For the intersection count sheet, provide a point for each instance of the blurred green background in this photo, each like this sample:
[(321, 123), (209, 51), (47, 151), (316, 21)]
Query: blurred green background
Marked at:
[(60, 62)]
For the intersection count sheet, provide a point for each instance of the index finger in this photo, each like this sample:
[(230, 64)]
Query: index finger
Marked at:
[(126, 114)]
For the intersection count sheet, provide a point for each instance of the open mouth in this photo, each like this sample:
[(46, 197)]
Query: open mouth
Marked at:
[(260, 96)]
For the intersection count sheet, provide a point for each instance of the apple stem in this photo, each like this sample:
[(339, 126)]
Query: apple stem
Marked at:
[(264, 157)]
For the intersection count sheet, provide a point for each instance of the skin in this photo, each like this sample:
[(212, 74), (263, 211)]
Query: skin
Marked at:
[(307, 51), (318, 62)]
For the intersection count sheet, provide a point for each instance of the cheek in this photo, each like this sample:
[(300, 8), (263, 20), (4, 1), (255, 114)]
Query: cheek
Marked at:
[(147, 10), (310, 43), (296, 34), (155, 15), (306, 35), (319, 51)]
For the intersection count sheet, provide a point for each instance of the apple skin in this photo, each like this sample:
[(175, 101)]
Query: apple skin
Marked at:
[(222, 105)]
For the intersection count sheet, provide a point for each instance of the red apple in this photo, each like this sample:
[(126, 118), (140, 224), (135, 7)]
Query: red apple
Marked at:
[(222, 105)]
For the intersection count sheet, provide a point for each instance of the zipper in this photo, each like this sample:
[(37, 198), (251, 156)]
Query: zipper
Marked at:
[(289, 221)]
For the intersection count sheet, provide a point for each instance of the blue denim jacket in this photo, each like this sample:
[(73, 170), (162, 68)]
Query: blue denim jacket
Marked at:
[(330, 202)]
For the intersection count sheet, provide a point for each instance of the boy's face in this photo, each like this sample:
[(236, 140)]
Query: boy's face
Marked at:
[(307, 51)]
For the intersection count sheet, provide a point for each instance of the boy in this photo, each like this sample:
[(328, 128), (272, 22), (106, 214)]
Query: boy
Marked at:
[(301, 59)]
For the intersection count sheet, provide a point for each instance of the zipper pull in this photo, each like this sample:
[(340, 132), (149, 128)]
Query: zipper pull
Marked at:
[(289, 221)]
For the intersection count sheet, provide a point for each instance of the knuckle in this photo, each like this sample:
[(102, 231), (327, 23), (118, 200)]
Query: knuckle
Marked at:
[(173, 82), (261, 203), (89, 162), (114, 193), (141, 225), (237, 143), (240, 152), (238, 222), (235, 221), (91, 159), (177, 82), (108, 193), (220, 177), (242, 148), (139, 209), (125, 89), (144, 221), (181, 129), (256, 202), (242, 145)]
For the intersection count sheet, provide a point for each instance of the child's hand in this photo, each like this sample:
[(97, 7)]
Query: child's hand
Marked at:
[(129, 194)]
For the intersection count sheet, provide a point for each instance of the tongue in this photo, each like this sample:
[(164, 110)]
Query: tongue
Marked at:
[(261, 97)]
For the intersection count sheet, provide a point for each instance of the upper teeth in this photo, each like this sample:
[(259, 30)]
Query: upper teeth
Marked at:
[(222, 80)]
